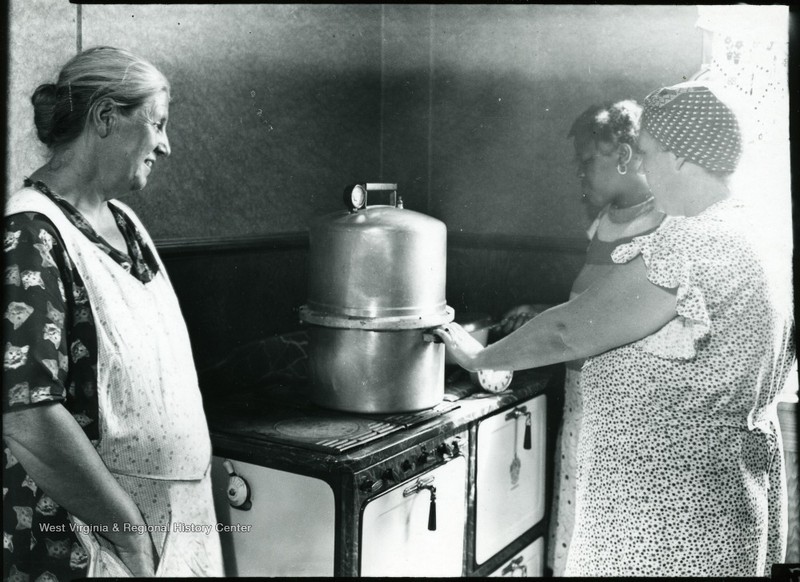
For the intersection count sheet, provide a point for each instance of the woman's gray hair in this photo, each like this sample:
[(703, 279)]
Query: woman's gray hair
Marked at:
[(60, 110)]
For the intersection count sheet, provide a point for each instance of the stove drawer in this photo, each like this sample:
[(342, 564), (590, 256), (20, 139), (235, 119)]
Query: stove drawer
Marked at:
[(291, 523), (529, 563), (510, 479), (395, 535)]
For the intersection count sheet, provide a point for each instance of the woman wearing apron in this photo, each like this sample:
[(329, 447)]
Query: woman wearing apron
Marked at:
[(106, 446)]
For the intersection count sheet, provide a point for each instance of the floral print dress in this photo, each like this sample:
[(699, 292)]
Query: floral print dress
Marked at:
[(605, 234), (50, 355), (680, 461)]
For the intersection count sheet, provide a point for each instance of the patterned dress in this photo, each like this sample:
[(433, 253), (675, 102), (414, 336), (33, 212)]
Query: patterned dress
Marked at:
[(605, 234), (680, 466), (50, 356)]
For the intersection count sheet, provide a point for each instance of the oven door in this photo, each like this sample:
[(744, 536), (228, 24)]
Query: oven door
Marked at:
[(510, 478), (396, 534)]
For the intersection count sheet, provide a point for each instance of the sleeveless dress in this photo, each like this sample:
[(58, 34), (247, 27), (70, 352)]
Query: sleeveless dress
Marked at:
[(680, 465), (605, 236), (153, 435)]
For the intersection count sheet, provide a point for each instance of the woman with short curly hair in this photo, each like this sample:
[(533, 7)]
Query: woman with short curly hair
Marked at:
[(608, 161)]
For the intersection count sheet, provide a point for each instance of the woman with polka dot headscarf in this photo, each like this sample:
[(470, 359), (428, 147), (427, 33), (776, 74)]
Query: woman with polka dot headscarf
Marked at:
[(679, 468)]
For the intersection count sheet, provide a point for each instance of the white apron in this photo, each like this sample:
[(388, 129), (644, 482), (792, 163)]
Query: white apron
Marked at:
[(153, 433)]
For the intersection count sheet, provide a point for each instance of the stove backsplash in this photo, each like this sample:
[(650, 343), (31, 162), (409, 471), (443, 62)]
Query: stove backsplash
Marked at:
[(281, 358)]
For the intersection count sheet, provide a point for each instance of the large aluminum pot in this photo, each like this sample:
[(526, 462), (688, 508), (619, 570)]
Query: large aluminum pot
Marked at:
[(375, 371), (376, 283)]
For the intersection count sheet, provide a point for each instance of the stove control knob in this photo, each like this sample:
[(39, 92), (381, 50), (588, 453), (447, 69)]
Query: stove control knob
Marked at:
[(370, 486), (455, 448), (423, 457), (444, 450), (406, 465), (388, 475)]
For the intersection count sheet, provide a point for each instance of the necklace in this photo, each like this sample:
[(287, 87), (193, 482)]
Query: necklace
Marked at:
[(620, 215)]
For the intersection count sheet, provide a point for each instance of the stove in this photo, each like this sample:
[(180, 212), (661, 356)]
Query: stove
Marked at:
[(336, 493)]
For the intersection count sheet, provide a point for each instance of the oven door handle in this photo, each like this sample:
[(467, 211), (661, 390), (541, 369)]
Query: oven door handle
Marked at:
[(514, 566), (516, 413), (420, 485)]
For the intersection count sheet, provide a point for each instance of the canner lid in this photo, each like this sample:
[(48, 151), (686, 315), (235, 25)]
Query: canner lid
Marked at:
[(379, 216)]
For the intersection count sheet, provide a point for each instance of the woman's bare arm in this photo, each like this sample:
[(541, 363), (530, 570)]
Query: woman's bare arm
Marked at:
[(621, 308)]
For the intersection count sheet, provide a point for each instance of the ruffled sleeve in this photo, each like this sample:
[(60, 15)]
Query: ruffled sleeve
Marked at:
[(668, 257)]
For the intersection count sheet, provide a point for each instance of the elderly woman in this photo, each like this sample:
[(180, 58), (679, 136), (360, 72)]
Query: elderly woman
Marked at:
[(105, 439), (680, 458), (608, 161)]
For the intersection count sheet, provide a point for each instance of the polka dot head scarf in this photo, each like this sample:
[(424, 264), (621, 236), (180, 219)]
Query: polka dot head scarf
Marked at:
[(694, 124)]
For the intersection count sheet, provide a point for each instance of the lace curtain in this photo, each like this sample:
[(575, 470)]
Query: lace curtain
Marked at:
[(749, 59), (748, 67)]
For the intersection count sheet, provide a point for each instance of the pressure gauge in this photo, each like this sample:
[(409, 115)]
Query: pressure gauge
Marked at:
[(355, 197)]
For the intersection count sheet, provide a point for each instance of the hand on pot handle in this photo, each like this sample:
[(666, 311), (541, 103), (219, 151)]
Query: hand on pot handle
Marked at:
[(460, 344)]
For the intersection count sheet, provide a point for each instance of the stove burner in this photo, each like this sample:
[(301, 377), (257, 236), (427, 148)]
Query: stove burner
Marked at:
[(407, 419), (316, 428), (282, 414)]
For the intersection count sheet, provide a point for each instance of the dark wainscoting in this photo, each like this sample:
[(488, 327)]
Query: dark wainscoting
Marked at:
[(234, 291), (491, 273)]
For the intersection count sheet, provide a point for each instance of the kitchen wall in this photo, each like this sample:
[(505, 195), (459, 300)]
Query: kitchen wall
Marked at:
[(277, 107)]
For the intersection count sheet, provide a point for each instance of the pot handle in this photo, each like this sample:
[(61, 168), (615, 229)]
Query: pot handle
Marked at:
[(431, 338)]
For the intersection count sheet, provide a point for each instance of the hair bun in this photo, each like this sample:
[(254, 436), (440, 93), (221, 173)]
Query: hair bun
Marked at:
[(44, 96), (44, 104)]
